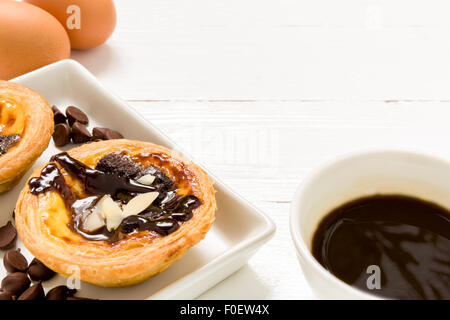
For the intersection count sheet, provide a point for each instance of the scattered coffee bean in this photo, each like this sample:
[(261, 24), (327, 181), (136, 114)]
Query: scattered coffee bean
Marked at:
[(15, 261), (76, 115), (58, 116), (80, 133), (99, 133), (8, 235), (61, 135), (76, 130), (16, 283), (35, 292), (105, 134), (60, 293), (112, 134), (39, 271), (4, 295)]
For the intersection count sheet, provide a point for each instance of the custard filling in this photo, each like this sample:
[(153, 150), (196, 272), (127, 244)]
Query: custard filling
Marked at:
[(12, 123), (120, 197)]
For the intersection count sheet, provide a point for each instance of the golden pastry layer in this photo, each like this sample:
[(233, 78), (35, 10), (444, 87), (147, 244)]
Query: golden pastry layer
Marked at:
[(43, 221), (25, 113)]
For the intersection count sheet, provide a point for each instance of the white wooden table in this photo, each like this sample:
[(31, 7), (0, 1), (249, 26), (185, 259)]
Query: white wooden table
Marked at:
[(262, 90)]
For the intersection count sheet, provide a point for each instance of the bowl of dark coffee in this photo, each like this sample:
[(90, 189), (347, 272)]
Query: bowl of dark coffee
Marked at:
[(375, 225)]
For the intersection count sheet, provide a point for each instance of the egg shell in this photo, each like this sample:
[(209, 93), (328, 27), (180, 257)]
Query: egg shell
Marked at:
[(96, 19), (29, 39)]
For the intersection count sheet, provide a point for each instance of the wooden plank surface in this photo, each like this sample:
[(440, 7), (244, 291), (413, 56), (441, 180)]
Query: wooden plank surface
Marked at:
[(261, 91)]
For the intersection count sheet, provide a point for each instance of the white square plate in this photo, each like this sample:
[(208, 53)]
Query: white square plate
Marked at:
[(239, 229)]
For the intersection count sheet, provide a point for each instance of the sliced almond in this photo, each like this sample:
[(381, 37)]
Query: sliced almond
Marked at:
[(146, 179), (139, 203), (93, 222), (112, 212)]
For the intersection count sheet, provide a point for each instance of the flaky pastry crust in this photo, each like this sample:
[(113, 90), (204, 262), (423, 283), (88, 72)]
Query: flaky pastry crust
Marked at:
[(38, 129), (42, 224)]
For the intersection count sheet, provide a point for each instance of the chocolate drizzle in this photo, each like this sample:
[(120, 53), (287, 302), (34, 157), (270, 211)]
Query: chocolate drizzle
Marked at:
[(116, 178), (96, 181), (51, 179)]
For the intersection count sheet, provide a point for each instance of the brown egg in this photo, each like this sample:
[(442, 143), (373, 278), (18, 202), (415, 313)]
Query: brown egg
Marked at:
[(29, 38), (88, 23)]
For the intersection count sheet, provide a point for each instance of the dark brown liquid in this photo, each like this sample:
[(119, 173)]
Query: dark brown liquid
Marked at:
[(407, 238)]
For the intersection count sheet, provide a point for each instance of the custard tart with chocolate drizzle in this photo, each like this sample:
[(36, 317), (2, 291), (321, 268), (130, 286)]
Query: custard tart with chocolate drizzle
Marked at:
[(119, 211), (26, 126)]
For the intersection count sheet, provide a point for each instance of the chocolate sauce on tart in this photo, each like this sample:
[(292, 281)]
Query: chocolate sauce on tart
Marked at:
[(408, 239), (51, 179), (116, 175), (7, 141), (96, 181)]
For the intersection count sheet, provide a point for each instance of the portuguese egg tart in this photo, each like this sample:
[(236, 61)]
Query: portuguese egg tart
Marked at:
[(119, 211), (26, 125)]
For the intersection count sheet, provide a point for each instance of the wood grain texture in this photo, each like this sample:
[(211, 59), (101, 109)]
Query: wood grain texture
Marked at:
[(261, 91)]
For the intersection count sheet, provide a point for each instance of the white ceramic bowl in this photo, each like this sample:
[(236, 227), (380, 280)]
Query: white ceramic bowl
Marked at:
[(353, 176)]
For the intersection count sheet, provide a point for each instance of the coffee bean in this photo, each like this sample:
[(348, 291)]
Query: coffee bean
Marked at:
[(7, 235), (112, 134), (105, 134), (60, 293), (61, 135), (35, 292), (15, 283), (99, 133), (4, 295), (74, 114), (39, 271), (58, 116), (15, 261), (80, 133)]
